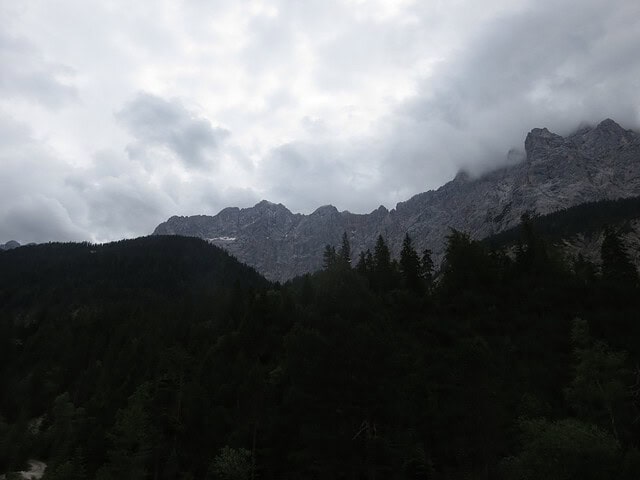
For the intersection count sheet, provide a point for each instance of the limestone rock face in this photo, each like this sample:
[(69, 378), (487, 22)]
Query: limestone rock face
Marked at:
[(594, 163)]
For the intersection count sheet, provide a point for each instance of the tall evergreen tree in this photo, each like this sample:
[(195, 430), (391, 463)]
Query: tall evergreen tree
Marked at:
[(616, 266), (426, 269), (361, 266), (381, 256), (598, 392), (382, 270), (410, 266), (532, 254), (344, 254), (329, 256)]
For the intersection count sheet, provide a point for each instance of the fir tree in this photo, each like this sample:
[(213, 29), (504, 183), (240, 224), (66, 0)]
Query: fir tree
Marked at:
[(329, 257), (427, 268), (382, 270), (344, 254), (410, 265), (616, 266)]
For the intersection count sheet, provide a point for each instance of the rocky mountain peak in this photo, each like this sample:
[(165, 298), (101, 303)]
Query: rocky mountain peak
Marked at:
[(609, 125), (539, 142), (381, 210), (606, 136), (325, 210), (270, 206)]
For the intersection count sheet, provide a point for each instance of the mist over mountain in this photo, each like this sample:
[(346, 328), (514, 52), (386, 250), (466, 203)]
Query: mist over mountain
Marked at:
[(555, 172)]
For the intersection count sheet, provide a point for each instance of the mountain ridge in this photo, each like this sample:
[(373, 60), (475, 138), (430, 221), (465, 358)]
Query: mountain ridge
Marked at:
[(591, 164)]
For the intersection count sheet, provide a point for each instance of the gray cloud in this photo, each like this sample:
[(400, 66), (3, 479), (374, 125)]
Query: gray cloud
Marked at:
[(309, 175), (552, 64), (154, 121), (36, 218), (555, 64), (26, 74), (32, 207)]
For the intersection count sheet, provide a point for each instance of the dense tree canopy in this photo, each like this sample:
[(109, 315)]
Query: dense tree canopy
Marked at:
[(163, 357)]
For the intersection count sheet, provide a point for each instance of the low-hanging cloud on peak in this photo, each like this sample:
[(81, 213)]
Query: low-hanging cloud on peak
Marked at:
[(552, 64)]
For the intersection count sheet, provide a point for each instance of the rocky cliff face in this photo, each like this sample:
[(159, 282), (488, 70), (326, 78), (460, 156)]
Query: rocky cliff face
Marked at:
[(558, 172)]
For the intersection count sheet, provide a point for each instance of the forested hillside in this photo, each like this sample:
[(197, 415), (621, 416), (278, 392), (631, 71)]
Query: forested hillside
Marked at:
[(586, 218), (165, 358)]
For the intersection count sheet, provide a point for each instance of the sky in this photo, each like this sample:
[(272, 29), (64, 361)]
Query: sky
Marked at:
[(116, 115)]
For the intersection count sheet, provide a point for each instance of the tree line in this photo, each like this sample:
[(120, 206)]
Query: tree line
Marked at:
[(165, 358)]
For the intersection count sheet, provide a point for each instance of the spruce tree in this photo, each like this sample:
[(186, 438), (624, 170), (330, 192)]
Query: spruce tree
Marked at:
[(382, 270), (427, 268), (329, 257), (410, 265), (616, 266), (344, 254)]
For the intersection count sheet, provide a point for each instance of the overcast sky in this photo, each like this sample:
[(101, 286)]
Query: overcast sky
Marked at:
[(115, 115)]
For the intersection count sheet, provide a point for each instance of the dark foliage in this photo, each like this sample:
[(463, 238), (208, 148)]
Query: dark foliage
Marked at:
[(163, 357), (586, 218)]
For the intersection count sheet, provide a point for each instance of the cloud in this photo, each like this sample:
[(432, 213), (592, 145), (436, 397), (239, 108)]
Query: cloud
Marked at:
[(156, 122), (37, 217), (45, 197), (352, 102), (309, 175), (31, 202), (551, 65), (25, 74)]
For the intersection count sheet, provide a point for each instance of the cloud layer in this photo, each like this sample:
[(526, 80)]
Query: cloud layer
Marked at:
[(114, 116)]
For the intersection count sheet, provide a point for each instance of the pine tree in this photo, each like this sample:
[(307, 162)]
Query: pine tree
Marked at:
[(410, 266), (381, 256), (584, 270), (329, 257), (361, 266), (133, 437), (598, 392), (426, 269), (616, 266), (382, 270), (344, 254), (532, 255)]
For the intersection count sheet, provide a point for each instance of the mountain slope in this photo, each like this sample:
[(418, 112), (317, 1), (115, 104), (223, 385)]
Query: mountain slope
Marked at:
[(559, 172), (580, 229), (151, 266)]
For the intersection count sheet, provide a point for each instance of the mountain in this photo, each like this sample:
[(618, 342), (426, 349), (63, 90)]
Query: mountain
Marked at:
[(594, 163), (11, 244), (146, 266)]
